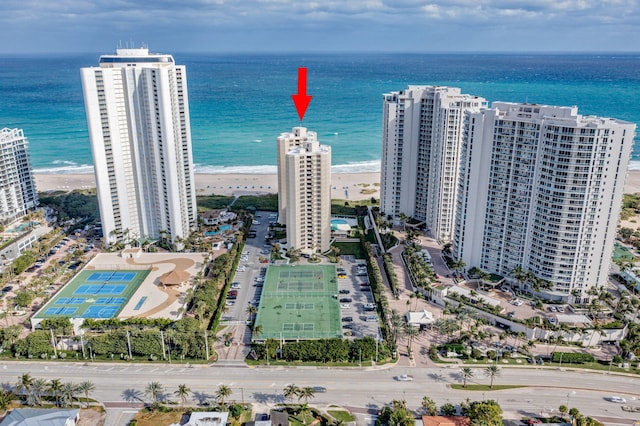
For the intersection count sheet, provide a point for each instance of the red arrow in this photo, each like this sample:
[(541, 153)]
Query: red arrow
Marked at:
[(301, 99)]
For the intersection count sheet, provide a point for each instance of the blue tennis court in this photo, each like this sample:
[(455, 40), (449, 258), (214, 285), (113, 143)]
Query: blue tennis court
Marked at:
[(70, 301), (102, 277), (61, 311), (100, 289), (100, 312), (110, 300)]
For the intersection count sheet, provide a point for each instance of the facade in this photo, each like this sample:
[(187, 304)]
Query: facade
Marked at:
[(421, 139), (306, 190), (138, 117), (285, 143), (17, 187), (540, 189)]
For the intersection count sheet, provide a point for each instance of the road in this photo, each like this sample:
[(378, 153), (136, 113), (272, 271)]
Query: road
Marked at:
[(363, 388)]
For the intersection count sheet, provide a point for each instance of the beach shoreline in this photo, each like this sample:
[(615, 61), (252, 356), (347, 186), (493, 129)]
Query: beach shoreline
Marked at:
[(344, 186)]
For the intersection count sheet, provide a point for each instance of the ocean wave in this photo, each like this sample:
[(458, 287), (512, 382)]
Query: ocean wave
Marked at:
[(354, 167), (256, 140), (258, 170), (65, 162), (69, 169), (634, 165), (357, 167)]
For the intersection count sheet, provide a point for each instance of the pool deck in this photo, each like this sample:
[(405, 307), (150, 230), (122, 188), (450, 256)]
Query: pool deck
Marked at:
[(160, 302)]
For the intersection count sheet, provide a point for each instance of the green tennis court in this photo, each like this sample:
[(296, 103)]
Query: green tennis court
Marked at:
[(299, 302), (621, 252), (97, 294)]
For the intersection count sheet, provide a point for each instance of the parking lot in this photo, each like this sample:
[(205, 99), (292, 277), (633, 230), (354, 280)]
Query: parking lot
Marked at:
[(355, 294), (358, 312)]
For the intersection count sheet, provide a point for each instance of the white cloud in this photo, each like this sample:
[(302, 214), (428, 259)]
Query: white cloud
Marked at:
[(360, 22)]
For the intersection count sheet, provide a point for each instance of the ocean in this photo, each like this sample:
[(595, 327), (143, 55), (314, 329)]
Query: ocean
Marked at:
[(241, 103)]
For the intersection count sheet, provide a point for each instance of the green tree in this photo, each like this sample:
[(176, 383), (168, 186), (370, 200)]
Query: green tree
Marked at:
[(182, 393), (68, 391), (290, 391), (466, 373), (6, 398), (448, 409), (395, 415), (38, 388), (86, 387), (429, 406), (222, 393), (154, 390), (483, 413), (492, 372), (306, 393), (24, 384), (55, 388)]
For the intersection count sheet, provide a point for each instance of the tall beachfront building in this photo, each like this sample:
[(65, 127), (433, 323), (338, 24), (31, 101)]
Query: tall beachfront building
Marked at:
[(138, 115), (304, 174), (17, 187), (421, 139), (540, 189)]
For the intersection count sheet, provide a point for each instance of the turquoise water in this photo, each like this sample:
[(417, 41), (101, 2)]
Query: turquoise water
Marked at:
[(23, 226), (239, 104), (220, 230)]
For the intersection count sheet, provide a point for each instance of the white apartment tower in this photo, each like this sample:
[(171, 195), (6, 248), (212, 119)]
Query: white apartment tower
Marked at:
[(305, 192), (421, 139), (541, 188), (138, 116), (17, 188)]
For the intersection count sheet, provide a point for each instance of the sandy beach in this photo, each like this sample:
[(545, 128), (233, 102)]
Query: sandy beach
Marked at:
[(345, 186)]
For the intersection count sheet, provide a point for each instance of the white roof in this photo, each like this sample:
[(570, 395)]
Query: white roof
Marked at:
[(40, 416), (573, 319), (418, 318)]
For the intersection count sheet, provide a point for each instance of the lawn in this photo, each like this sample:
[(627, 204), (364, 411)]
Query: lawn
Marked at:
[(213, 202), (354, 249), (341, 415), (267, 202), (153, 418)]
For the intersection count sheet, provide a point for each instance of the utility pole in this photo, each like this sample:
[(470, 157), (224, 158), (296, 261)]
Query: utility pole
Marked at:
[(129, 346), (53, 343), (162, 341), (206, 344), (82, 345)]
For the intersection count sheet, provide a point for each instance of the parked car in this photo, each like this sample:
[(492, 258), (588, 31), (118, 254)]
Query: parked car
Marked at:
[(344, 306), (348, 326), (344, 291), (347, 319), (346, 300)]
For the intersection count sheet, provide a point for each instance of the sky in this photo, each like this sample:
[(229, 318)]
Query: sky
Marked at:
[(280, 26)]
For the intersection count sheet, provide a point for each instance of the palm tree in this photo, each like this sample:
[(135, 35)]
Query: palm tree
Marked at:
[(290, 391), (306, 393), (182, 393), (24, 384), (257, 330), (67, 392), (154, 390), (6, 398), (223, 392), (466, 373), (411, 332), (492, 372), (55, 387), (429, 406), (38, 387), (86, 387)]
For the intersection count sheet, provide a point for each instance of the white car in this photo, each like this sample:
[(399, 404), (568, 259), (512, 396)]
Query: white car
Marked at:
[(518, 303), (240, 268), (404, 378), (255, 222), (617, 399), (235, 286), (344, 306)]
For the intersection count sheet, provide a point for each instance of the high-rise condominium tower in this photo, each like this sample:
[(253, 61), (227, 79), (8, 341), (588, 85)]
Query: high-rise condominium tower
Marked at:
[(304, 174), (540, 190), (138, 115), (421, 139), (17, 188)]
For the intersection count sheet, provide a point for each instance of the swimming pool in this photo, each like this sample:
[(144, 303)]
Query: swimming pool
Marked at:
[(23, 226), (340, 225), (222, 229)]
